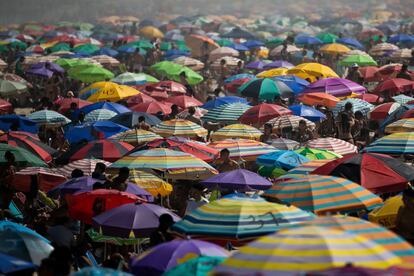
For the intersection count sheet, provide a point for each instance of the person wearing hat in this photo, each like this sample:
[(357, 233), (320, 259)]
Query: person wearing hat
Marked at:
[(354, 74)]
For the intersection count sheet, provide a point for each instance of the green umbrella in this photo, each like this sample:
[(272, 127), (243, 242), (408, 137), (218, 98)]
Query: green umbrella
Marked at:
[(68, 63), (143, 44), (317, 154), (172, 71), (3, 48), (276, 41), (18, 43), (272, 172), (23, 157), (199, 266), (97, 237), (86, 48), (327, 37), (10, 88), (361, 60), (90, 73), (59, 47), (165, 46), (262, 89), (182, 46), (224, 42)]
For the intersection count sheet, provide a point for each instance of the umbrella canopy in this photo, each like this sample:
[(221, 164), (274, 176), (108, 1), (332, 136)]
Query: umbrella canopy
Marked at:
[(273, 254), (134, 79), (335, 86), (107, 150), (93, 131), (130, 119), (351, 42), (335, 145), (227, 113), (317, 154), (240, 180), (319, 98), (312, 70), (112, 93), (200, 45), (237, 131), (222, 52), (10, 265), (242, 148), (11, 88), (139, 98), (217, 102), (290, 121), (394, 86), (65, 104), (237, 32), (278, 64), (322, 194), (135, 136), (382, 111), (402, 125), (46, 179), (192, 63), (396, 144), (23, 157), (386, 215), (152, 108), (90, 73), (361, 60), (184, 101), (284, 159), (334, 49), (168, 255), (99, 115), (222, 219), (23, 243), (135, 220), (173, 71), (262, 89), (117, 108), (295, 83), (375, 172), (357, 105), (180, 128), (48, 117), (85, 165), (200, 266), (255, 65), (99, 271), (402, 99), (284, 144), (270, 73), (303, 169), (262, 113), (307, 112), (149, 182)]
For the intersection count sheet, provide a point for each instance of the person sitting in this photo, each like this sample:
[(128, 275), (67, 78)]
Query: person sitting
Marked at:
[(142, 124), (76, 173), (190, 117), (303, 134), (99, 171), (120, 182), (174, 112), (268, 134), (224, 163), (161, 234)]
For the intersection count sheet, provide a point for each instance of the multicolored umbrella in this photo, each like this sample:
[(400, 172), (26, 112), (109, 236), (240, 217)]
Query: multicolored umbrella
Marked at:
[(304, 169), (386, 215), (317, 154), (217, 102), (87, 166), (403, 99), (335, 86), (242, 148), (48, 117), (238, 217), (382, 111), (335, 145), (396, 144), (227, 113), (135, 136), (168, 255), (180, 128), (357, 105), (285, 144), (323, 194), (262, 89), (23, 157), (200, 266), (46, 179), (99, 115), (304, 249), (149, 182), (290, 121), (107, 150), (239, 180), (237, 131), (402, 125), (262, 113), (284, 159)]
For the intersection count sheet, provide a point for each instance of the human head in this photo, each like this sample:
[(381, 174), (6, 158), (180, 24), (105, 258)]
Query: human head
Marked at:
[(222, 62), (165, 220), (355, 66), (70, 94), (191, 110), (123, 173), (225, 154), (141, 119), (76, 173), (174, 109), (408, 197), (100, 167), (302, 125), (359, 115), (348, 106), (404, 68), (268, 128), (183, 77), (9, 156)]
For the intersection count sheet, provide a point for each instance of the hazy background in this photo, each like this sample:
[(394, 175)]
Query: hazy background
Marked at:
[(18, 11)]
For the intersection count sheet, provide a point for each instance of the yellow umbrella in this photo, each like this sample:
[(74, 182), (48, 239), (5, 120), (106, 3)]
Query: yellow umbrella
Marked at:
[(403, 125), (335, 48), (386, 215), (237, 131), (272, 73), (312, 70), (96, 85), (151, 32), (149, 182), (113, 93)]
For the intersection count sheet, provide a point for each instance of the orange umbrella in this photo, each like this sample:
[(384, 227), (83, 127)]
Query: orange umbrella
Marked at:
[(200, 45), (319, 99)]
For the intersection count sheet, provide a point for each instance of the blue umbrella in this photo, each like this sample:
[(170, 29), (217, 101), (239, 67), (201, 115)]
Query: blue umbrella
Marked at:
[(307, 112), (239, 76), (253, 44), (285, 159), (307, 40), (295, 83), (255, 65), (106, 51), (130, 119), (91, 131), (7, 122), (9, 264), (401, 38), (117, 108), (99, 271), (357, 105), (239, 47), (223, 100), (176, 53), (350, 42)]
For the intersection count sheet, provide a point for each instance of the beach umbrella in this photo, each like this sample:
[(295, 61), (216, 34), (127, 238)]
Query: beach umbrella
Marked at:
[(171, 87), (369, 73), (395, 144), (295, 83), (68, 63), (382, 111), (180, 128), (10, 265), (168, 255), (96, 271), (17, 122), (394, 86), (175, 164), (322, 194), (327, 37), (271, 73), (284, 159), (16, 78), (30, 143), (111, 94), (227, 113), (87, 166), (222, 52), (135, 136), (278, 64), (11, 88), (371, 98), (304, 241), (46, 179), (382, 49), (335, 86), (139, 98), (89, 73), (106, 61), (401, 38), (135, 220), (262, 113), (402, 125), (242, 148), (401, 54), (334, 49), (222, 101), (386, 215), (317, 154), (96, 86), (402, 99), (23, 158), (93, 131), (307, 40), (65, 104), (108, 150), (351, 42), (81, 204), (106, 51), (312, 70), (284, 144), (239, 180), (263, 89), (184, 101), (361, 60), (199, 266), (255, 65), (319, 98), (128, 78), (335, 145), (99, 115), (290, 121), (48, 117), (130, 119), (151, 32), (87, 49), (192, 63), (45, 69), (303, 169), (150, 182), (375, 172), (237, 32), (289, 49), (238, 218), (236, 77), (152, 108), (173, 71), (117, 108), (357, 105), (307, 112), (237, 131)]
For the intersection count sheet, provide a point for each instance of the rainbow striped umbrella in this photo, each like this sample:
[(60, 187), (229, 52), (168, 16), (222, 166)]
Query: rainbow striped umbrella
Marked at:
[(242, 148), (151, 183), (335, 145), (323, 194), (175, 164), (237, 131), (226, 113), (135, 136), (180, 128), (307, 168), (396, 143), (290, 121), (238, 217), (317, 154), (403, 125), (298, 250)]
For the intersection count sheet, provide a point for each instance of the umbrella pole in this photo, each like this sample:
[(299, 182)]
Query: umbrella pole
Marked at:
[(105, 251)]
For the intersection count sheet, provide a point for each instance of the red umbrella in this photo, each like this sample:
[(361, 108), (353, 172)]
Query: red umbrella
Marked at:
[(408, 114), (5, 106), (169, 87), (394, 86), (234, 85), (201, 151), (84, 206), (371, 98), (184, 101), (369, 73), (107, 150), (139, 98), (66, 39), (152, 108), (47, 179), (378, 173), (388, 71), (383, 111), (129, 38), (262, 113), (65, 103)]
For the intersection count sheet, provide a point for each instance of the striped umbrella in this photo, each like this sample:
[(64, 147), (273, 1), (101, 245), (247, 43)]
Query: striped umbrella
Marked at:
[(402, 99), (176, 164), (322, 194), (263, 89), (102, 149), (180, 128), (237, 131), (335, 145), (382, 111), (47, 179), (403, 125), (317, 154), (228, 113), (299, 250), (48, 117), (261, 113), (357, 105), (128, 78), (135, 136), (396, 143), (242, 148), (305, 168), (284, 144), (99, 115), (238, 217), (86, 165), (150, 182), (290, 121)]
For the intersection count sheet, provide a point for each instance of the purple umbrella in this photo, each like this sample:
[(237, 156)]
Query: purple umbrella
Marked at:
[(45, 69), (278, 64), (240, 180), (255, 65), (137, 220), (170, 254), (335, 86)]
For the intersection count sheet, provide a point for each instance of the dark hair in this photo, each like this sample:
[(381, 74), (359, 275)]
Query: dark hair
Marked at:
[(141, 119), (100, 166), (348, 106), (77, 173), (191, 110), (225, 151), (359, 114), (408, 192), (123, 170), (166, 220), (9, 156)]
